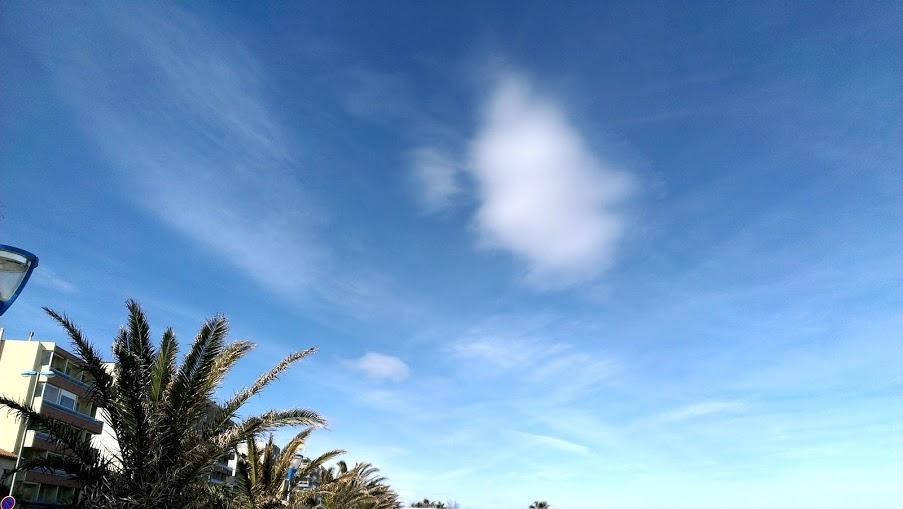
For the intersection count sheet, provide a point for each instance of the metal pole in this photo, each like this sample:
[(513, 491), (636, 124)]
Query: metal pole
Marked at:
[(37, 379), (12, 485)]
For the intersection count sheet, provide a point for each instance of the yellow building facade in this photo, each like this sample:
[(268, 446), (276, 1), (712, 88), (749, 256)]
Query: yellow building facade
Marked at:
[(52, 380)]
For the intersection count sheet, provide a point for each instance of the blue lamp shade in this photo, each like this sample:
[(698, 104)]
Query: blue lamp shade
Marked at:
[(16, 266)]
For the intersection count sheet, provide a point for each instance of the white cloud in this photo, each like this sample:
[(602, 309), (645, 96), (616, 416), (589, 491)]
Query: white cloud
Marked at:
[(544, 195), (380, 366), (703, 408), (554, 443), (436, 179)]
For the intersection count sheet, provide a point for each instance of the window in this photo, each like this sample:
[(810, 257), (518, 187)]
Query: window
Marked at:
[(58, 363), (48, 493), (28, 491), (51, 393), (61, 397), (45, 357), (66, 495), (39, 390), (67, 400)]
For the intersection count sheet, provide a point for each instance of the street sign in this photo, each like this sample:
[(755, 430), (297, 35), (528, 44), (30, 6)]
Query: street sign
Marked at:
[(7, 503)]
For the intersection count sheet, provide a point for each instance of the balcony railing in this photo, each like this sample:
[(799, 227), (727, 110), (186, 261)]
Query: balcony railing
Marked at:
[(75, 413), (56, 472), (221, 468), (71, 378)]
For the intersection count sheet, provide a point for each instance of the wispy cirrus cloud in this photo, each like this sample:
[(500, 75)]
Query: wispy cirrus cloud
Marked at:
[(503, 351), (544, 194), (702, 409), (436, 178), (563, 369), (177, 108), (556, 443), (48, 278), (181, 112)]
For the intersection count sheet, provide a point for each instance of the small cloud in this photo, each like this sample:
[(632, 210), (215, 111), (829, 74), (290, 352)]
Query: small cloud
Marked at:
[(436, 178), (554, 443), (703, 408), (380, 367), (544, 195), (47, 278)]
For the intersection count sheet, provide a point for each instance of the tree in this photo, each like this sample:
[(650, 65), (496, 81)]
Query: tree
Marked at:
[(540, 505), (262, 477), (429, 503), (342, 487), (170, 432)]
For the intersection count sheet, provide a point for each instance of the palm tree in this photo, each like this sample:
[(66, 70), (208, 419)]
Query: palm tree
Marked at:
[(170, 432), (262, 478), (540, 505), (342, 487), (429, 503)]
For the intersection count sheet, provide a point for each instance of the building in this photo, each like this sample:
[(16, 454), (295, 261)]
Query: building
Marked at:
[(230, 462), (307, 481), (7, 464), (52, 380), (223, 471)]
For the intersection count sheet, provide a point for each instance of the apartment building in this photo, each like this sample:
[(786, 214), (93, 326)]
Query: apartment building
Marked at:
[(226, 469), (53, 381), (298, 462)]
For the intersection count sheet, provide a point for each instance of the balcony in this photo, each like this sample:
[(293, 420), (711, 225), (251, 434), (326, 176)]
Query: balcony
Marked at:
[(38, 440), (73, 379), (221, 468), (77, 419), (52, 478), (69, 383)]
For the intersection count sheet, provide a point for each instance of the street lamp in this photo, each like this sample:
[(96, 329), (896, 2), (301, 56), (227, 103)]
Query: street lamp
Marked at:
[(16, 266), (36, 375)]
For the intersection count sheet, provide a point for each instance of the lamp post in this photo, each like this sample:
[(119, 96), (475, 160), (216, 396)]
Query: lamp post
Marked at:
[(16, 266), (34, 386)]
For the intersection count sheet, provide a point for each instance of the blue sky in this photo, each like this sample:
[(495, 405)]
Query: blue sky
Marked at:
[(608, 255)]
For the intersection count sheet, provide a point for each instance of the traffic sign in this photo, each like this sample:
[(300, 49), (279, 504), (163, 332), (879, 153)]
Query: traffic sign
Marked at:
[(7, 503)]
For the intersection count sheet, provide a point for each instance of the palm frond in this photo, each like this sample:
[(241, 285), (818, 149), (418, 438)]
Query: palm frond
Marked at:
[(266, 422), (101, 379), (164, 366), (240, 398), (225, 361)]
